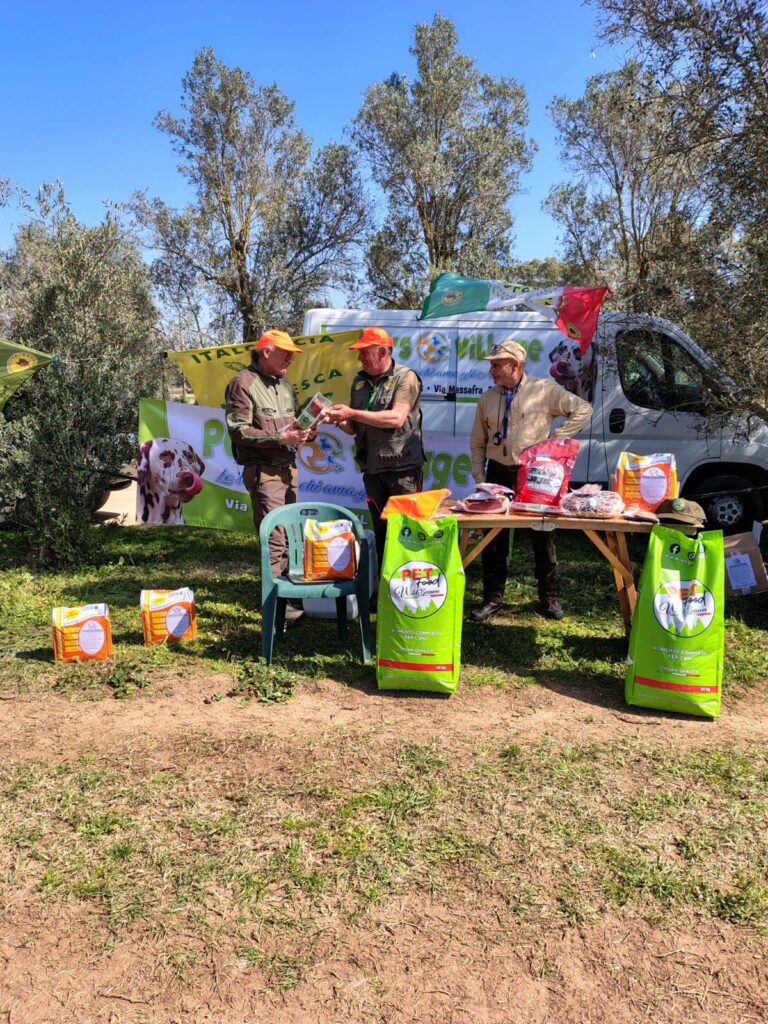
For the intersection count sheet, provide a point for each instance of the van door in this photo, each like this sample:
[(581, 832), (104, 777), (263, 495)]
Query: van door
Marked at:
[(651, 394)]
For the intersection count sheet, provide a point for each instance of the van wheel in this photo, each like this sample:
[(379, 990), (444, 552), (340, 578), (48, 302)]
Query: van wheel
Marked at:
[(732, 503)]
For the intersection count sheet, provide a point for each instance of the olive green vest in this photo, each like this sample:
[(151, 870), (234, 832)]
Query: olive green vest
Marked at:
[(384, 449)]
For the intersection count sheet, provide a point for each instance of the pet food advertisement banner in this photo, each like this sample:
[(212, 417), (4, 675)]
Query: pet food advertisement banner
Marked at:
[(187, 475), (451, 363), (421, 597), (676, 645)]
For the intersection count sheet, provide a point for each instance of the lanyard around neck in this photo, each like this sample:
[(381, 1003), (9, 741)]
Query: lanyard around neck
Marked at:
[(509, 397), (376, 388)]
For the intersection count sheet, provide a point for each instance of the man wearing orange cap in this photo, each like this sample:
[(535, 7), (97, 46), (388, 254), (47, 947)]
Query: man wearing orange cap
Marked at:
[(262, 406), (385, 417)]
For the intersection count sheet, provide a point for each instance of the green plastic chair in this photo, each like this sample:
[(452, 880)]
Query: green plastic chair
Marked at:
[(276, 591)]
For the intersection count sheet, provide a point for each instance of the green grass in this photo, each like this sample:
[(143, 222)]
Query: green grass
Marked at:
[(585, 651), (583, 831), (255, 843)]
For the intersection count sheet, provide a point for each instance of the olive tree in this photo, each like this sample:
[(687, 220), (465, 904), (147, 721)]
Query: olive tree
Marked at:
[(271, 224), (84, 295), (446, 151)]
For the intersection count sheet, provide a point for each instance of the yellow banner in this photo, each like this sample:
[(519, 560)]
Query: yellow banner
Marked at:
[(17, 364), (325, 364)]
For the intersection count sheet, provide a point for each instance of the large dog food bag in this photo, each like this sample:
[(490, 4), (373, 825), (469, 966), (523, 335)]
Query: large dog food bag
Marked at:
[(676, 645), (421, 598), (168, 615), (646, 480), (81, 634), (329, 550)]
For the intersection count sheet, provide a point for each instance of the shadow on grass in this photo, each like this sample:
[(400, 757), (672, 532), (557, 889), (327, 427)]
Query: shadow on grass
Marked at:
[(751, 610), (35, 654)]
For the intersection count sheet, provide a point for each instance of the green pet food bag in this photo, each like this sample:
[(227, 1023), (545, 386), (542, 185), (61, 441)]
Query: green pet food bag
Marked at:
[(421, 600), (678, 633)]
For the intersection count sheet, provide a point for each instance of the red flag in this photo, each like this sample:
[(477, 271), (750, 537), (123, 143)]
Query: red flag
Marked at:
[(577, 313)]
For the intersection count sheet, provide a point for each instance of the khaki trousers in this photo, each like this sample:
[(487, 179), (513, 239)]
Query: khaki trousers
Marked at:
[(271, 487)]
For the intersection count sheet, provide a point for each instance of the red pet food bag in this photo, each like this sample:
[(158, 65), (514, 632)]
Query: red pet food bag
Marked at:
[(545, 470)]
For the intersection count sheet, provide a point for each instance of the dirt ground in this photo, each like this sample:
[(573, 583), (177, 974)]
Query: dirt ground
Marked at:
[(120, 503), (417, 958)]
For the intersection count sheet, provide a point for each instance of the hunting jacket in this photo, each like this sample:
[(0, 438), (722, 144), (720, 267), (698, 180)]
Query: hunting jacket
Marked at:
[(259, 408)]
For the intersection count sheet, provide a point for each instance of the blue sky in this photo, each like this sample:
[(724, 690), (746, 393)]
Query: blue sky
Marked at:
[(82, 82)]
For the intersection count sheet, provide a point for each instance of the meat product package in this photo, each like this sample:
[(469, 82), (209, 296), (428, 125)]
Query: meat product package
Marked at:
[(486, 504), (534, 508), (592, 503), (498, 489), (545, 470)]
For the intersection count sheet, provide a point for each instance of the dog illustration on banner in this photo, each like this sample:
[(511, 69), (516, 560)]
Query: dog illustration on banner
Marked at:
[(572, 366), (169, 473)]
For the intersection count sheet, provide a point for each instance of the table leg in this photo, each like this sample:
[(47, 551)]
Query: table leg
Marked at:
[(613, 547), (621, 582), (467, 558), (629, 583)]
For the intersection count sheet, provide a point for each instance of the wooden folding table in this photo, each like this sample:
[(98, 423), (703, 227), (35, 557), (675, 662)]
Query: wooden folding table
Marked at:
[(608, 535)]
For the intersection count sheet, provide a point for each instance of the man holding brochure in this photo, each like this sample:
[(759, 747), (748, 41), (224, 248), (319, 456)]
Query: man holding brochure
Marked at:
[(261, 408)]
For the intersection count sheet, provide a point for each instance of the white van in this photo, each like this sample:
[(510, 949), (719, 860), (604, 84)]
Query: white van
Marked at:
[(643, 375)]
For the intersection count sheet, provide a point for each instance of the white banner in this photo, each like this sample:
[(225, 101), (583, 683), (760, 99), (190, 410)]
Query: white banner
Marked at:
[(327, 470)]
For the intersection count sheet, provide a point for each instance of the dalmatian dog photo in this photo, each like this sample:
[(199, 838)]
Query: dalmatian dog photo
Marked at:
[(169, 473), (572, 366)]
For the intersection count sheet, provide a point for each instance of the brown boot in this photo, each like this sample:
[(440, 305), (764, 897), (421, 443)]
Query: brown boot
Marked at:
[(490, 607), (549, 606)]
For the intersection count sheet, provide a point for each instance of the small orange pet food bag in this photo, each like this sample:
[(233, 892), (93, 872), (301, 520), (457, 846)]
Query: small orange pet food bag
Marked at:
[(81, 634), (168, 615), (646, 480), (329, 550)]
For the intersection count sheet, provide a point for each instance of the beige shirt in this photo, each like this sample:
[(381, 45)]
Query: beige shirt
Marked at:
[(537, 403)]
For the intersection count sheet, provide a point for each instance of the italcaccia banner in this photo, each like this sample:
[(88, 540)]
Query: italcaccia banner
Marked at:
[(187, 475), (325, 364), (17, 364)]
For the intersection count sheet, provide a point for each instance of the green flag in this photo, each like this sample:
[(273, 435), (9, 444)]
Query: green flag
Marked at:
[(451, 294), (17, 363)]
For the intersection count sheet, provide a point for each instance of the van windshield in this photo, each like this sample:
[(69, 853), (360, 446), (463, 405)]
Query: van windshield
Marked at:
[(656, 372)]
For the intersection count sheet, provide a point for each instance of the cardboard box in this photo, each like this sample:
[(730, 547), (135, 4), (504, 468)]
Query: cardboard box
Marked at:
[(744, 567)]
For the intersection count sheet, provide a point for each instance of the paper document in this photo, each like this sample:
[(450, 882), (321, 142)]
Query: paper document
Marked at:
[(740, 571)]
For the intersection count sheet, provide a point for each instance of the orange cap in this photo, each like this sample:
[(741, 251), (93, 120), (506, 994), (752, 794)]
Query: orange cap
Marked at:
[(372, 336), (278, 339)]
